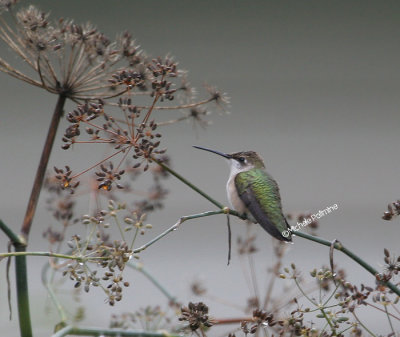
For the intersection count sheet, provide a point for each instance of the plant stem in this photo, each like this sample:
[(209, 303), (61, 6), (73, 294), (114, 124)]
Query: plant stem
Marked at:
[(188, 183), (14, 238), (303, 292), (56, 255), (362, 324), (390, 321), (175, 226), (328, 321), (224, 321), (88, 331), (41, 170), (349, 253), (337, 246), (20, 244), (21, 280), (22, 292), (139, 267), (198, 190)]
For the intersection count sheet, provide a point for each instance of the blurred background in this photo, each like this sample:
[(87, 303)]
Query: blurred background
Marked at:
[(314, 89)]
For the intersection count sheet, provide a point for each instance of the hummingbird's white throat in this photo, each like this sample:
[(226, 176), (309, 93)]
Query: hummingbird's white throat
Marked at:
[(237, 167)]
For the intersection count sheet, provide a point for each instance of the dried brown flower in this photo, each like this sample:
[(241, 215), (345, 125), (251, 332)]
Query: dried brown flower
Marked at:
[(196, 314), (69, 59)]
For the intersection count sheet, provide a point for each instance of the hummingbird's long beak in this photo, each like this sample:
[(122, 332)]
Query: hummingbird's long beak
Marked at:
[(213, 151)]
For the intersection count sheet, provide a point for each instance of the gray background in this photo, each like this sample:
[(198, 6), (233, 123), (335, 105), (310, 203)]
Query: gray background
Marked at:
[(314, 89)]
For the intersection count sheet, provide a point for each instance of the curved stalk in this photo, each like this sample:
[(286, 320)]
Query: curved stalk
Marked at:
[(139, 267), (350, 254), (336, 245)]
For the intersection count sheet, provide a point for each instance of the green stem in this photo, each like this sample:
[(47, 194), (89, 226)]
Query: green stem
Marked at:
[(140, 268), (390, 321), (328, 321), (362, 324), (196, 189), (343, 331), (322, 331), (20, 244), (303, 292), (120, 228), (349, 253), (88, 331), (14, 238), (333, 293), (325, 307), (53, 297), (22, 292), (23, 253), (337, 246), (134, 237)]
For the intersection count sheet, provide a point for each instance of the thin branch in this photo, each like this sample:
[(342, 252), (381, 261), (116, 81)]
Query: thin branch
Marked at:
[(303, 292), (195, 188), (390, 321), (53, 297), (362, 324), (379, 309), (349, 253), (41, 170), (55, 255), (224, 321), (139, 267), (89, 331), (176, 107), (175, 227)]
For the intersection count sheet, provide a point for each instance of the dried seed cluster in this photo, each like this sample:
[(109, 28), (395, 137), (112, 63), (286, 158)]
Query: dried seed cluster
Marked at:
[(392, 264), (107, 176), (130, 79), (65, 178), (196, 315), (111, 257), (123, 98)]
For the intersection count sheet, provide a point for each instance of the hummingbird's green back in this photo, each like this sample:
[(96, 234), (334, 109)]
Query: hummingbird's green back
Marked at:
[(260, 193)]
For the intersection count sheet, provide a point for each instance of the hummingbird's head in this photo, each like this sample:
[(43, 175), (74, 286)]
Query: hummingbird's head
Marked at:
[(240, 161), (246, 160)]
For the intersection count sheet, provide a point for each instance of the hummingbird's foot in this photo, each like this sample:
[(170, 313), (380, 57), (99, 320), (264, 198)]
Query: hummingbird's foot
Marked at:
[(226, 210)]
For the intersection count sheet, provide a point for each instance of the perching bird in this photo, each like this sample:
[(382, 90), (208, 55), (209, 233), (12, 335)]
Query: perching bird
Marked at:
[(252, 191)]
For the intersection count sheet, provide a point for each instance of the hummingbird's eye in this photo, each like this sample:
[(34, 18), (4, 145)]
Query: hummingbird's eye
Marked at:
[(242, 159)]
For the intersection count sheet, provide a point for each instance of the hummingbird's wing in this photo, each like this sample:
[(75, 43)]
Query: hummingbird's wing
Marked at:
[(260, 193)]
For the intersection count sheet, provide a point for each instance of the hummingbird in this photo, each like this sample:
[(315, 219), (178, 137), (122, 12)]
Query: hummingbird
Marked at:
[(252, 191)]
